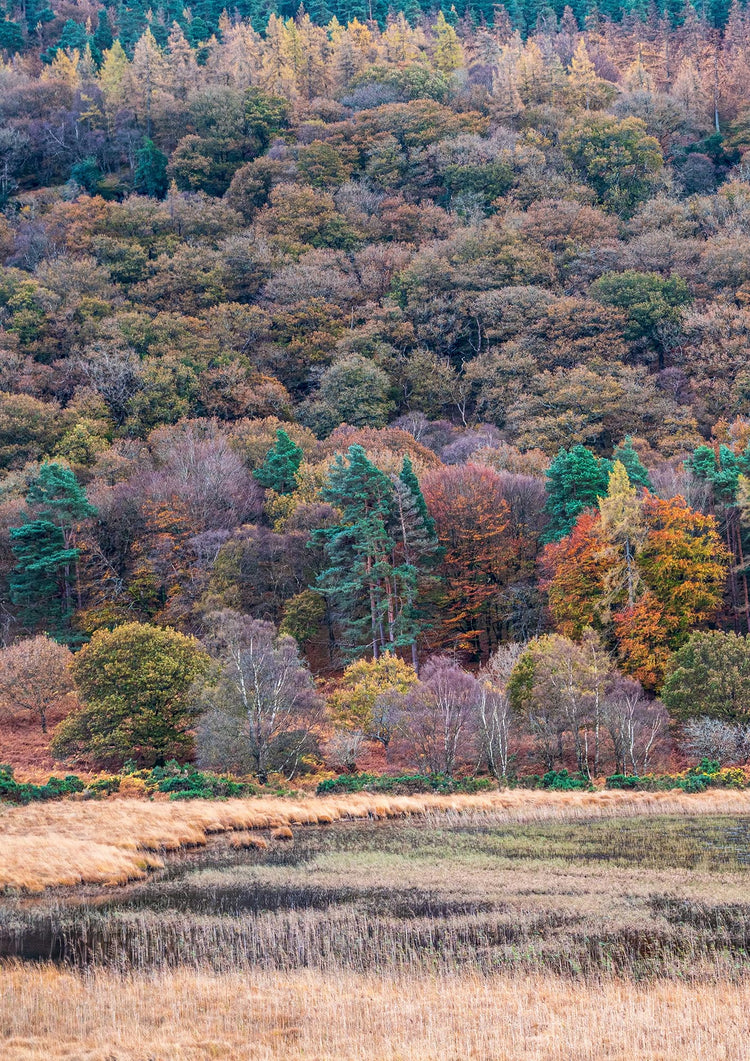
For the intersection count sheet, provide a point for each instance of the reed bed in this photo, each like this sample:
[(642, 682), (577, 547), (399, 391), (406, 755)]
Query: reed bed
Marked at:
[(184, 1015), (113, 841)]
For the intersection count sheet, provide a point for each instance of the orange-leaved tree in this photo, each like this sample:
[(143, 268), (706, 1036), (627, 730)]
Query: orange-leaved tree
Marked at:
[(643, 570)]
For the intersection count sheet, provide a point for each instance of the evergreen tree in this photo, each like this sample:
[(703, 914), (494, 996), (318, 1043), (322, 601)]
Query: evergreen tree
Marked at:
[(278, 470), (102, 39), (361, 580), (409, 479), (417, 551), (627, 456), (151, 171), (43, 579), (575, 481)]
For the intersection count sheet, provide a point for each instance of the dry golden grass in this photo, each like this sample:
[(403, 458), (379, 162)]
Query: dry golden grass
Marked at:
[(48, 1014), (113, 841)]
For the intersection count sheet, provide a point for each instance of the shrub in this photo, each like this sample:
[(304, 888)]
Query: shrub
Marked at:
[(406, 784), (13, 791), (562, 781)]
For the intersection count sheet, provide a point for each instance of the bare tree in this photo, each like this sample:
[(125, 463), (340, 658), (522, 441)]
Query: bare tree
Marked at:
[(710, 738), (442, 711), (635, 725), (343, 749), (259, 693), (35, 676), (494, 711)]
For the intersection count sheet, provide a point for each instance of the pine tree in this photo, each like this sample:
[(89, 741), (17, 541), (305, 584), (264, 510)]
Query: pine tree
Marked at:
[(575, 481), (409, 479), (416, 552), (361, 580), (43, 580), (279, 469)]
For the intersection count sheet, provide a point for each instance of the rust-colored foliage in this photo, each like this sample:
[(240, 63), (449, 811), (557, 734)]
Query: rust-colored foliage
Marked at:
[(471, 518)]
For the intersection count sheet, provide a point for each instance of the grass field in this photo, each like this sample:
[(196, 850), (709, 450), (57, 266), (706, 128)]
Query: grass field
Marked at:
[(69, 843), (303, 1016), (524, 926)]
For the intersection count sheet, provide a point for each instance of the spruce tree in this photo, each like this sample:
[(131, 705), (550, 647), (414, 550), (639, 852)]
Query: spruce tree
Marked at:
[(151, 171), (409, 479), (278, 470), (416, 552)]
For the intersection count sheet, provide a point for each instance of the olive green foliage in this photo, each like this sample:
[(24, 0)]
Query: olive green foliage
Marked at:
[(135, 684), (710, 675)]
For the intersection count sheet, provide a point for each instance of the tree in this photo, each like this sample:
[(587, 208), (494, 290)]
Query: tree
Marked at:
[(557, 687), (617, 157), (441, 715), (280, 467), (467, 503), (635, 725), (258, 698), (135, 684), (622, 530), (368, 584), (626, 454), (35, 676), (575, 481), (362, 701), (150, 176), (709, 676), (721, 742), (44, 580), (652, 303), (494, 709), (352, 391)]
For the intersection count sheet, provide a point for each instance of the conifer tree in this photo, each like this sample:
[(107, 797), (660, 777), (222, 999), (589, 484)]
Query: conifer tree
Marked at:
[(575, 481), (416, 552), (43, 580), (280, 467), (627, 456), (359, 577), (151, 171)]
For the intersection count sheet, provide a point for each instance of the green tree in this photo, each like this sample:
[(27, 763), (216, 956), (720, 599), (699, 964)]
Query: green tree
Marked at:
[(150, 176), (135, 684), (416, 552), (626, 454), (44, 581), (353, 391), (359, 579), (710, 675), (279, 469), (576, 479), (616, 157), (650, 301)]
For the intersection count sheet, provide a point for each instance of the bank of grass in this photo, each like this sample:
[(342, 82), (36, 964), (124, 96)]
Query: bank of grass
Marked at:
[(69, 843), (301, 1015)]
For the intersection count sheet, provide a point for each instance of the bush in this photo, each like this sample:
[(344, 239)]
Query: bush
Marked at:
[(562, 781), (13, 791), (406, 784), (626, 781)]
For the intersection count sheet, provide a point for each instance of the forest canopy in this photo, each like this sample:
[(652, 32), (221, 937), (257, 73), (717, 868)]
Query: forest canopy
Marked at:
[(407, 335)]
